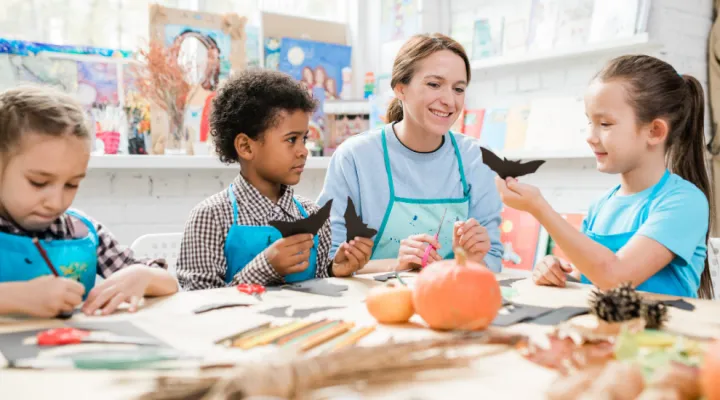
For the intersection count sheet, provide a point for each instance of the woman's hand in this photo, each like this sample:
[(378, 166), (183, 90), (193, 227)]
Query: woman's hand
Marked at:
[(352, 256), (520, 196), (551, 271), (412, 251), (473, 238)]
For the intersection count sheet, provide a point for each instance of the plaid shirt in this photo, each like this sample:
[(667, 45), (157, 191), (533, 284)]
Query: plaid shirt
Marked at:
[(111, 257), (202, 262)]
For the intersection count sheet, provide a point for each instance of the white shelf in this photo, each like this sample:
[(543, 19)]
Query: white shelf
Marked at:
[(637, 43), (151, 162), (346, 107)]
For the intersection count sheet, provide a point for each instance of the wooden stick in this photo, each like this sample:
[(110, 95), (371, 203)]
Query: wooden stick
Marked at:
[(267, 337), (326, 335), (353, 337), (228, 340), (300, 332), (313, 332)]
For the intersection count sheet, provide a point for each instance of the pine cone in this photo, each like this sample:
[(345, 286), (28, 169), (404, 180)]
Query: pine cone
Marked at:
[(619, 304), (655, 314)]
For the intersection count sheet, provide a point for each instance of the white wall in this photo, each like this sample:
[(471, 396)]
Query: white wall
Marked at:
[(132, 203)]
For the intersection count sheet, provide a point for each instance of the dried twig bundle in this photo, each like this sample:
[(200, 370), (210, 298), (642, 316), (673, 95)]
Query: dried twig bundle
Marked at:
[(295, 377)]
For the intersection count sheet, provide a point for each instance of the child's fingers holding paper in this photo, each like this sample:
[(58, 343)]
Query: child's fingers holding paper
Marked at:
[(114, 303)]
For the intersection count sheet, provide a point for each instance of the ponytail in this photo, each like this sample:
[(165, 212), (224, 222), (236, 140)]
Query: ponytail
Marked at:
[(686, 158), (394, 111)]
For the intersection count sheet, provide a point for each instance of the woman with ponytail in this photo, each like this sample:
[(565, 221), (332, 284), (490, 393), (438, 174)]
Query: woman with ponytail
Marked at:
[(645, 124), (413, 173)]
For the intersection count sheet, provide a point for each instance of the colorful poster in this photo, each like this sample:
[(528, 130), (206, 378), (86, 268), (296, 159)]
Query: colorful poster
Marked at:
[(399, 19), (316, 64), (17, 69), (97, 83), (520, 235), (23, 48), (252, 46), (272, 53), (576, 220)]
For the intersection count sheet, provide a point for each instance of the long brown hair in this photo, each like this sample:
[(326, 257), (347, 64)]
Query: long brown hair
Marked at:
[(656, 90), (413, 51)]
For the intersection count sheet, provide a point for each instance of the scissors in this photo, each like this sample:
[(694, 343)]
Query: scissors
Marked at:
[(252, 289), (431, 247)]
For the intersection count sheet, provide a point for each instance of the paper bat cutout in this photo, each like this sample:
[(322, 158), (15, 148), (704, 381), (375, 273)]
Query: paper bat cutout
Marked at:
[(355, 225), (311, 224), (508, 168)]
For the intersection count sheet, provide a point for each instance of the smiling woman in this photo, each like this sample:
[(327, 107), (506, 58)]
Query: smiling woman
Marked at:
[(423, 187)]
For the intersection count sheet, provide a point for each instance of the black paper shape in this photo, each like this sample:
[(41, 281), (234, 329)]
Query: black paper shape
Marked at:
[(313, 286), (679, 304), (516, 313), (354, 224), (218, 306), (559, 315), (508, 168), (310, 225), (508, 282)]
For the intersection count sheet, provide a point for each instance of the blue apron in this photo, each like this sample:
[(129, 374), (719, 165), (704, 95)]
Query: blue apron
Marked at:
[(405, 216), (76, 259), (667, 280), (244, 242)]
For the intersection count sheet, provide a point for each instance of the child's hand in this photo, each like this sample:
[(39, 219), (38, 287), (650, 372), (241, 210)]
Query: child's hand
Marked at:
[(412, 251), (48, 296), (551, 271), (472, 237), (291, 254), (519, 196), (352, 256), (128, 284)]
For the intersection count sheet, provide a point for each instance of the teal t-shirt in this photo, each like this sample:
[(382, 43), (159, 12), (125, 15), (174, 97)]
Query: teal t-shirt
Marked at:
[(677, 218)]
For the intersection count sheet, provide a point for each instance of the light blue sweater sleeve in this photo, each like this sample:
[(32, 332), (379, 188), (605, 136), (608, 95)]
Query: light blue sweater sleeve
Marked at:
[(357, 169)]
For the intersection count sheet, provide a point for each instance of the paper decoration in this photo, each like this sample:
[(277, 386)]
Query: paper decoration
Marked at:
[(354, 224), (507, 168), (311, 224)]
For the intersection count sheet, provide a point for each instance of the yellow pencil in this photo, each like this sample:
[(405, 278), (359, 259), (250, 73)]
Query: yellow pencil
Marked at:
[(326, 335), (267, 337), (353, 337)]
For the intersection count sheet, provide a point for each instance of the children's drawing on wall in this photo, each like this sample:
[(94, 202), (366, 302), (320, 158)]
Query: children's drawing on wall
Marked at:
[(399, 19), (252, 46), (272, 53), (205, 55), (97, 83), (17, 69)]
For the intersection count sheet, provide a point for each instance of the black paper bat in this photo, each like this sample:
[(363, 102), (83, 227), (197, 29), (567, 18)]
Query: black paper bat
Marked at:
[(508, 168), (311, 224), (355, 225)]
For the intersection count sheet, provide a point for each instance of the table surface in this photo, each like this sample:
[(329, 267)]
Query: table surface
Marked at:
[(501, 376)]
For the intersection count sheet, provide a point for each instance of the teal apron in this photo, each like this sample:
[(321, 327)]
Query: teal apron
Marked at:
[(405, 216), (667, 280), (76, 259), (244, 242)]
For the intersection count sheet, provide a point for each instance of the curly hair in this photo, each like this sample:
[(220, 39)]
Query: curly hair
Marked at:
[(251, 103)]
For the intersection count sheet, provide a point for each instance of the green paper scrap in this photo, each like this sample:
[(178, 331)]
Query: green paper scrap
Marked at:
[(646, 349), (508, 292)]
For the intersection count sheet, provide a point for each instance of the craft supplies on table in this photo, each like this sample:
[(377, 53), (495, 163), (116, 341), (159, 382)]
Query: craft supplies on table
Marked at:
[(252, 289), (68, 335)]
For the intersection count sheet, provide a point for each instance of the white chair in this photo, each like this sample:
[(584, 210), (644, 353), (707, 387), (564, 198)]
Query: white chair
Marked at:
[(159, 245), (713, 254)]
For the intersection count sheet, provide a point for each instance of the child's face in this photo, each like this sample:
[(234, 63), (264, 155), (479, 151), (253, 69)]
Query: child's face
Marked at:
[(39, 181), (281, 152), (436, 93), (613, 133)]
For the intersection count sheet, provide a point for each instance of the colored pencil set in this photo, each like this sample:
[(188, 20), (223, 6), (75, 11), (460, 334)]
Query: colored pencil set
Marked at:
[(325, 335)]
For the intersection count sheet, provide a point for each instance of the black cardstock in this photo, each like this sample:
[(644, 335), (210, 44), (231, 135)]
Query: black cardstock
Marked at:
[(354, 224), (507, 168), (310, 225)]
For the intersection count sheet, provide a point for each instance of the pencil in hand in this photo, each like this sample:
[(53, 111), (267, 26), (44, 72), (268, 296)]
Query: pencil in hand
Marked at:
[(43, 253)]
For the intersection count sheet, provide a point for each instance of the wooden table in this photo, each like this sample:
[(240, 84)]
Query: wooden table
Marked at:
[(502, 376)]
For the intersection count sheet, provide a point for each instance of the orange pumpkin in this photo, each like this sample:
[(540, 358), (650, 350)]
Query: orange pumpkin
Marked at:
[(390, 304), (710, 372), (457, 294)]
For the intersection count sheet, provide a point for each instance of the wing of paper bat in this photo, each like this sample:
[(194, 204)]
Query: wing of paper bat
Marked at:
[(354, 224), (311, 224)]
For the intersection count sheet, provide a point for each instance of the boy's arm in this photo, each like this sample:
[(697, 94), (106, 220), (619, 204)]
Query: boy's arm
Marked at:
[(202, 264)]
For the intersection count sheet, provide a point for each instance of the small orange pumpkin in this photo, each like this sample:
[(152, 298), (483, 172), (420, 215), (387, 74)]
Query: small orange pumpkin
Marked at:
[(457, 294), (390, 304), (710, 372)]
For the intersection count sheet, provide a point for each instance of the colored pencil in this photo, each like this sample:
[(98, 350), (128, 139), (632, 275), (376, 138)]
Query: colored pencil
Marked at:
[(228, 340), (352, 337), (45, 257), (267, 337), (326, 335), (312, 333), (300, 332)]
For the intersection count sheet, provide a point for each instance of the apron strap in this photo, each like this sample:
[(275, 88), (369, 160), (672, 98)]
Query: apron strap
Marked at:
[(300, 208), (386, 157), (90, 225), (646, 208), (233, 200), (460, 164)]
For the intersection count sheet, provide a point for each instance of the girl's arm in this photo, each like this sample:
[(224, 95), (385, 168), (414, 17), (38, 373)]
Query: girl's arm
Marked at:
[(674, 227)]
